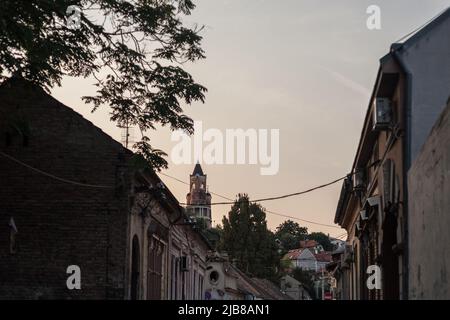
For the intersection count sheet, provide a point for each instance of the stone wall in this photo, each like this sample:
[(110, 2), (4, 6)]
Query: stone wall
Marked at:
[(429, 215)]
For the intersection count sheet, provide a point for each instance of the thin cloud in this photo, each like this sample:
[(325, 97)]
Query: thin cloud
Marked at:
[(347, 82)]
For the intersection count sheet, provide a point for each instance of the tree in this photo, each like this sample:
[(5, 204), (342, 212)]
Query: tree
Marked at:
[(306, 277), (132, 50), (322, 239), (247, 240), (289, 234), (213, 235)]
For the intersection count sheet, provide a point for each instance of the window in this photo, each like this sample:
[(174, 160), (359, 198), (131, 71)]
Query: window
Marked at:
[(135, 268), (214, 277), (183, 286), (174, 277), (156, 250), (194, 286), (200, 287)]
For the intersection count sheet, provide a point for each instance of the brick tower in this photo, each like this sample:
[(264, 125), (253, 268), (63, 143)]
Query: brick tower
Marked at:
[(199, 199)]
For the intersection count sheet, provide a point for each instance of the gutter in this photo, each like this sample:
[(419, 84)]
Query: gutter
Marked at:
[(406, 165)]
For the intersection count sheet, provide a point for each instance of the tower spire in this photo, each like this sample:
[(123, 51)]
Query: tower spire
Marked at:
[(199, 199)]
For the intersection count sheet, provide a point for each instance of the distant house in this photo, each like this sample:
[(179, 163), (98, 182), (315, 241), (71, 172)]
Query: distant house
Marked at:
[(224, 281), (311, 244), (73, 198), (294, 288), (307, 259)]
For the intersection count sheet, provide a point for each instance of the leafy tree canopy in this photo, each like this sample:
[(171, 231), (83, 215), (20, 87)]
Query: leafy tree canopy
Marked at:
[(289, 235), (322, 239), (247, 240), (133, 50), (306, 277)]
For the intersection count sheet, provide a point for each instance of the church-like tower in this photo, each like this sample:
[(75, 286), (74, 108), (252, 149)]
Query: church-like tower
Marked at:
[(199, 199)]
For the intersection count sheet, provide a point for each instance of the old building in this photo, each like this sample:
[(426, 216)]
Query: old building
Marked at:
[(409, 94), (429, 215), (224, 281), (294, 288), (310, 256), (198, 199), (72, 196)]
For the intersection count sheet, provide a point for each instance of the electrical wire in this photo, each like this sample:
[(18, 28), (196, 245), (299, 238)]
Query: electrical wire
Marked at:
[(53, 176), (268, 211), (179, 180), (286, 195)]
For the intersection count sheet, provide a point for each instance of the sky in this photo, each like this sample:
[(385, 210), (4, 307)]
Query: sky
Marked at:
[(305, 67)]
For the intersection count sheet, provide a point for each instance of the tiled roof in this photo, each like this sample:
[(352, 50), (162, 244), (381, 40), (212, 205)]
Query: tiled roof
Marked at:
[(323, 257), (269, 290), (293, 254), (308, 244), (260, 288)]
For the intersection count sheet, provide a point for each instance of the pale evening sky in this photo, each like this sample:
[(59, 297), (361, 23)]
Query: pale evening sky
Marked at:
[(305, 67)]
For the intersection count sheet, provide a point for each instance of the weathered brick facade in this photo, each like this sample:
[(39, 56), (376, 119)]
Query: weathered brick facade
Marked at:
[(76, 197), (59, 223)]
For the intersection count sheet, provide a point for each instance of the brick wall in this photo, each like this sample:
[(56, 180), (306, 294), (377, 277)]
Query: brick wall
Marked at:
[(59, 224)]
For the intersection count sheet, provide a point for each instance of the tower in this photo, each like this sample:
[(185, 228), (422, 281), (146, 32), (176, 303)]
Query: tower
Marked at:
[(199, 199)]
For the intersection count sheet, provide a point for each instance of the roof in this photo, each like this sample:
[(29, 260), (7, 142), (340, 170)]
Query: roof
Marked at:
[(259, 288), (293, 254), (243, 282), (198, 170), (269, 290), (401, 44), (323, 257), (21, 86), (423, 29), (308, 244)]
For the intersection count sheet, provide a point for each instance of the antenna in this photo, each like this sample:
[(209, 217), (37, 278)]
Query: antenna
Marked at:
[(127, 136)]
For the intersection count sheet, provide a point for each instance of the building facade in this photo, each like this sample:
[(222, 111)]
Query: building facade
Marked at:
[(294, 288), (409, 94), (224, 281), (307, 259), (70, 196), (429, 215)]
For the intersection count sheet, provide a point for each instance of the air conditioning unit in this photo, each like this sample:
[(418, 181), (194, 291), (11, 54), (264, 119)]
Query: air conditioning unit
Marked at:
[(382, 115), (184, 261), (364, 215), (359, 179), (348, 254)]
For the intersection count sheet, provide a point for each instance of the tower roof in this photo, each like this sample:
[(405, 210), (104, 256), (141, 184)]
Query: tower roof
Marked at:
[(198, 170)]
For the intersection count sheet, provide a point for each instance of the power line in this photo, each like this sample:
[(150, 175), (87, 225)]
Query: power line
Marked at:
[(268, 211), (303, 220), (179, 180), (286, 195), (53, 176)]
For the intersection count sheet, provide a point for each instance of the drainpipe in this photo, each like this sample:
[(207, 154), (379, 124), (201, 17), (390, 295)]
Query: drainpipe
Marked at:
[(406, 165)]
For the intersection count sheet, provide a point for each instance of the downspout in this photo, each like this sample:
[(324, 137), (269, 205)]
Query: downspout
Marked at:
[(406, 165)]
